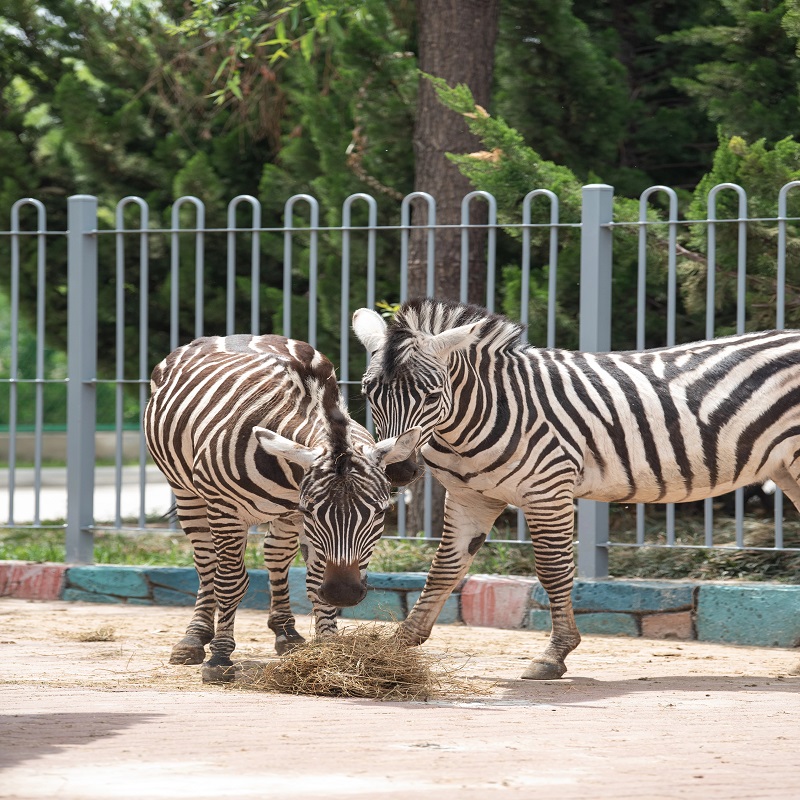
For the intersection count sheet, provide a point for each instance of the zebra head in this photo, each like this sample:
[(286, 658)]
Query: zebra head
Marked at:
[(408, 380), (344, 494)]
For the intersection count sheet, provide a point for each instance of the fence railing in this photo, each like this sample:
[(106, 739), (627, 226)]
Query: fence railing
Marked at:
[(222, 270)]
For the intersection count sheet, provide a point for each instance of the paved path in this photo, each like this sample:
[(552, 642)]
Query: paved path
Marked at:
[(635, 719)]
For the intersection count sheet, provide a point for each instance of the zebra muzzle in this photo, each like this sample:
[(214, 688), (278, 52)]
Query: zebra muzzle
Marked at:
[(342, 585)]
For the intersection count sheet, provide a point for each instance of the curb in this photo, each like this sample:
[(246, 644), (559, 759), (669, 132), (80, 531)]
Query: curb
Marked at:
[(760, 614)]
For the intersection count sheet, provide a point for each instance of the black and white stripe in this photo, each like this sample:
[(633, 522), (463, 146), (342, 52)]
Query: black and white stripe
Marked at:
[(506, 423), (249, 430)]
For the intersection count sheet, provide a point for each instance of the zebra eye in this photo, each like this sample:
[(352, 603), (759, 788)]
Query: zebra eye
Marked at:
[(433, 397)]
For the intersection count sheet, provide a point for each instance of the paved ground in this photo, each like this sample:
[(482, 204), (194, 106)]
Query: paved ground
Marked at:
[(635, 719)]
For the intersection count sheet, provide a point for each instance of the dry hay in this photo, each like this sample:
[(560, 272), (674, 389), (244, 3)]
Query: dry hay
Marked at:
[(367, 661), (105, 633)]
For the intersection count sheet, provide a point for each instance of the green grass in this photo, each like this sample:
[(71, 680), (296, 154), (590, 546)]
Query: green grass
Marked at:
[(171, 548)]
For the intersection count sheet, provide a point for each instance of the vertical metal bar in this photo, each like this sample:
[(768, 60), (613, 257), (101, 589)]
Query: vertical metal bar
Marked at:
[(41, 226), (143, 371), (741, 297), (13, 395), (595, 335), (344, 306), (119, 374), (405, 228), (313, 268), (40, 336), (230, 295), (780, 317), (525, 292), (344, 319), (427, 515), (81, 370), (490, 245), (200, 221), (641, 330), (144, 365), (288, 224)]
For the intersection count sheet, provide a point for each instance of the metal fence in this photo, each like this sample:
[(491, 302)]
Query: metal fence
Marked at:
[(371, 265)]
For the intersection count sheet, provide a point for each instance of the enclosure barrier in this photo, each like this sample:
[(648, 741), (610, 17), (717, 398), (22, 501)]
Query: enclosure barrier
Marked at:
[(191, 248)]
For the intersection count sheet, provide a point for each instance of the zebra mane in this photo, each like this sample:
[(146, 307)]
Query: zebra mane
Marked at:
[(428, 316)]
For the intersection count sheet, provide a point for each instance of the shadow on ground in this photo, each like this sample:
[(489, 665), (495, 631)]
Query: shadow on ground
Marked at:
[(31, 736)]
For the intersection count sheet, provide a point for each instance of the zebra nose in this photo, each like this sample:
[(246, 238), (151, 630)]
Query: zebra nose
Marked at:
[(342, 585)]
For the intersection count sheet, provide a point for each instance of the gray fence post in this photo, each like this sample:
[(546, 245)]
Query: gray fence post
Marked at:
[(595, 336), (81, 373)]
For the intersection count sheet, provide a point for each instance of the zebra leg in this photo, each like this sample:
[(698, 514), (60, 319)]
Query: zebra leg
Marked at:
[(788, 481), (468, 518), (551, 534), (230, 584), (192, 516), (280, 548)]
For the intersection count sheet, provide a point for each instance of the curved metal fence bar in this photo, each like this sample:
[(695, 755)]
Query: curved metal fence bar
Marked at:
[(491, 247), (741, 288), (405, 226), (39, 376), (780, 320), (288, 224), (175, 231), (344, 308), (525, 276), (405, 223), (641, 297), (144, 262), (255, 264)]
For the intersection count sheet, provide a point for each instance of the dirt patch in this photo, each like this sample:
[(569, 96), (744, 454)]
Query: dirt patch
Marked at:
[(633, 718)]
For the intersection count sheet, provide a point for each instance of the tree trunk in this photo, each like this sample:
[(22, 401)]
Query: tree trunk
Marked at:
[(456, 42)]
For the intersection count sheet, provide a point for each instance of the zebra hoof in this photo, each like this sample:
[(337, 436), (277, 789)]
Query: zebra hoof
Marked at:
[(218, 673), (188, 651), (408, 637), (286, 643), (544, 671)]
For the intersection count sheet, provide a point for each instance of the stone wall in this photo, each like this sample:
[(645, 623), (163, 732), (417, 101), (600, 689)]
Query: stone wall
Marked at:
[(736, 613)]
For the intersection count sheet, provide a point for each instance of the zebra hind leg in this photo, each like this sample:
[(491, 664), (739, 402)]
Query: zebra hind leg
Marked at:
[(200, 631), (230, 584), (280, 548), (551, 534)]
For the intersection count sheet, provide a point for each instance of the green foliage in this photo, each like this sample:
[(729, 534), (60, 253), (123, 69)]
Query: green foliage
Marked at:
[(509, 169), (750, 87), (761, 171)]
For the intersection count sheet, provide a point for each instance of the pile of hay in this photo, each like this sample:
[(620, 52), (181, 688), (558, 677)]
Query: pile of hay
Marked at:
[(368, 661)]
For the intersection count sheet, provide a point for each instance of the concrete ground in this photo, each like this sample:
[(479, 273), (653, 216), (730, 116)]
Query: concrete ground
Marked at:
[(633, 718)]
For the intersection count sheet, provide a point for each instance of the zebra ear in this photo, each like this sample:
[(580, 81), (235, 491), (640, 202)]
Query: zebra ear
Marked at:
[(398, 448), (370, 328), (444, 343), (277, 445)]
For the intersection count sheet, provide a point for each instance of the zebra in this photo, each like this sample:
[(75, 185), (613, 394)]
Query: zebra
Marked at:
[(504, 423), (249, 430)]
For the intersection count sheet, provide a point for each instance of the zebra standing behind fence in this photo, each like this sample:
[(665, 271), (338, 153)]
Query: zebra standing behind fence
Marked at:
[(506, 423), (249, 430)]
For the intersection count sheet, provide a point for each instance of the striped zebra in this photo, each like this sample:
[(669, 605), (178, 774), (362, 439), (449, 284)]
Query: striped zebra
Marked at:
[(249, 430), (506, 423)]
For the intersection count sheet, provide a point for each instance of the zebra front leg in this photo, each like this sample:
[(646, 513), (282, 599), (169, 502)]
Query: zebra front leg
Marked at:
[(468, 518), (193, 520), (280, 549), (230, 584), (551, 525)]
